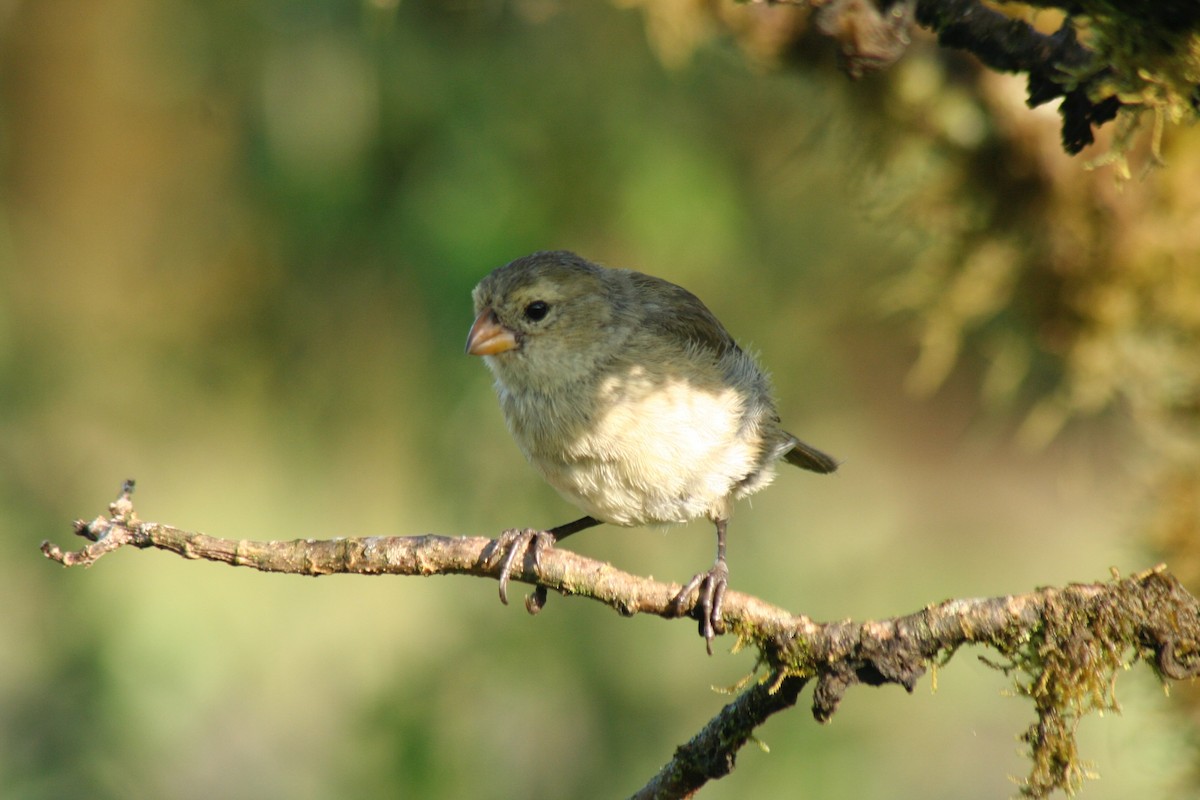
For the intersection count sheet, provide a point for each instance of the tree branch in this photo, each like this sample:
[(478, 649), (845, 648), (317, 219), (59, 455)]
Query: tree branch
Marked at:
[(1052, 62), (1063, 647), (712, 753), (1138, 56), (873, 34)]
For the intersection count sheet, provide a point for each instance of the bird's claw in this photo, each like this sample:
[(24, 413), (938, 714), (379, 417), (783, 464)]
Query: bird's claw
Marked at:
[(504, 552), (535, 602), (707, 609)]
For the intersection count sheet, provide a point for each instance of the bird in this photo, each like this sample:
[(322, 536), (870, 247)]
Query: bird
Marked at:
[(631, 400)]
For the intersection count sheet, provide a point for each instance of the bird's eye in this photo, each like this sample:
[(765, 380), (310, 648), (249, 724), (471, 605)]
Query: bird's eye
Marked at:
[(537, 310)]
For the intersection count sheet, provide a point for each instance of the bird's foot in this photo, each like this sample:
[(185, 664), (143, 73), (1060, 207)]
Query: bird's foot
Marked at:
[(504, 552), (707, 609)]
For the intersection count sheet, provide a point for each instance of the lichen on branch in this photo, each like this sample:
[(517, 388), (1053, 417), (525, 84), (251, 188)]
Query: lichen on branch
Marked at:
[(1063, 647), (1106, 59)]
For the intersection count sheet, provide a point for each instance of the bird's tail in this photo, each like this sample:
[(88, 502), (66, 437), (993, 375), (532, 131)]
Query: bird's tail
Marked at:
[(810, 458)]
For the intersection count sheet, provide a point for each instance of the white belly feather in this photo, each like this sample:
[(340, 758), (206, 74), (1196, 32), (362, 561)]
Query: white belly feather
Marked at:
[(663, 450)]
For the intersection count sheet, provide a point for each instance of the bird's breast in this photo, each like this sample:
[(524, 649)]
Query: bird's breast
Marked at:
[(638, 448)]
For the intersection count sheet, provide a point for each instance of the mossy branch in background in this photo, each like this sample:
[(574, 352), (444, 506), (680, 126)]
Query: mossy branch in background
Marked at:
[(1108, 57), (1063, 647)]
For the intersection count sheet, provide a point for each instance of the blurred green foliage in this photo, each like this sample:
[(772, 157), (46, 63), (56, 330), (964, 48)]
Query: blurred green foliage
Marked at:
[(237, 247)]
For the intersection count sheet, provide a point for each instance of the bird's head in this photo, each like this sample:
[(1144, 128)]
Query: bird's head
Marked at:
[(547, 318)]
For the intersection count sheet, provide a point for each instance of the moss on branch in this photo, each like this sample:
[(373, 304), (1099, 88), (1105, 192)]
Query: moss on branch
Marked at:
[(1062, 647)]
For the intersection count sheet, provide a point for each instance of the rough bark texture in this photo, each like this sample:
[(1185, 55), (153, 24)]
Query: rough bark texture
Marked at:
[(1062, 646)]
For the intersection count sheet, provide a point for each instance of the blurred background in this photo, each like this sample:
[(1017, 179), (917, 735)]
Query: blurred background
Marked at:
[(237, 242)]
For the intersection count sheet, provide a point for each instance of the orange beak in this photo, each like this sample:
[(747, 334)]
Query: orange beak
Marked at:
[(488, 337)]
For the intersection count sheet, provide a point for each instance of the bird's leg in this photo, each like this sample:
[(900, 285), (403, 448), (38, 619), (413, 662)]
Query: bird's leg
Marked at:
[(581, 524), (535, 602), (516, 540), (712, 585), (505, 549)]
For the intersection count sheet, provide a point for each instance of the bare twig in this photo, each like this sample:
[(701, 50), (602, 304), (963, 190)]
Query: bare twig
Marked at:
[(1063, 646), (712, 752), (557, 569)]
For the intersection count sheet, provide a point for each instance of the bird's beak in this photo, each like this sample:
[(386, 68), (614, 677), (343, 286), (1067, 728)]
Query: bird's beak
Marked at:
[(488, 337)]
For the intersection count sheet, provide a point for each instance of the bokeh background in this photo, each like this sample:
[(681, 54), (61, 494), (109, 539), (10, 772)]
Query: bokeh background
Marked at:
[(237, 245)]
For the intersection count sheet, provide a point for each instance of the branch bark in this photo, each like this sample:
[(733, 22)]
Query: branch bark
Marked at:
[(1005, 44), (1062, 646), (872, 34), (1136, 57)]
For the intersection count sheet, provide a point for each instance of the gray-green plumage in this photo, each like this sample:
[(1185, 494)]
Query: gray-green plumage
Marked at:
[(628, 395)]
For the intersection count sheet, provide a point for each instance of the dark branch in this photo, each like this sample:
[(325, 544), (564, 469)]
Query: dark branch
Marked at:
[(1012, 45), (872, 34), (712, 752)]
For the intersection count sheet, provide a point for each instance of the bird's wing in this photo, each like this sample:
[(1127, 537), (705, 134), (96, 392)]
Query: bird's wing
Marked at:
[(681, 315)]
